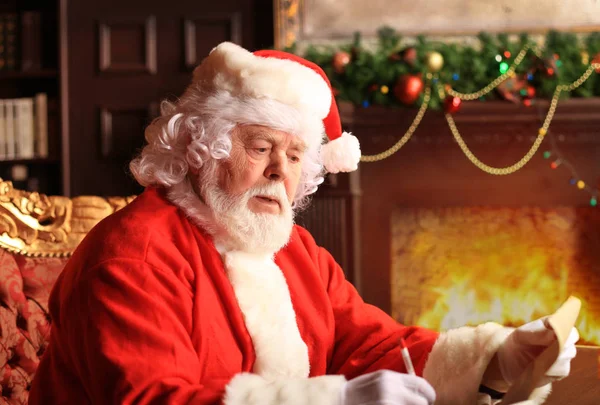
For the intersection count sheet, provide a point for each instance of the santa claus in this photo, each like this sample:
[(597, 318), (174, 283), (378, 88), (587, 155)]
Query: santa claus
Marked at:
[(203, 290)]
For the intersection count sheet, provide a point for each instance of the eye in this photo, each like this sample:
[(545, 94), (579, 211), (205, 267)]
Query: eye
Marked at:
[(259, 150), (294, 158)]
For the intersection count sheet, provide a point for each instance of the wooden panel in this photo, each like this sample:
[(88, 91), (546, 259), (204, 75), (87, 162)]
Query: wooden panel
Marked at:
[(128, 46), (122, 132), (332, 219), (326, 222), (582, 386), (130, 77), (201, 34)]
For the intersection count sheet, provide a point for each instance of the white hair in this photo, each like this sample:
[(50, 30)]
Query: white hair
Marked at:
[(198, 128)]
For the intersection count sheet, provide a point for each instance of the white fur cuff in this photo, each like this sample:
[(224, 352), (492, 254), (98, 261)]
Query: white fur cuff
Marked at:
[(341, 154), (252, 389), (459, 359)]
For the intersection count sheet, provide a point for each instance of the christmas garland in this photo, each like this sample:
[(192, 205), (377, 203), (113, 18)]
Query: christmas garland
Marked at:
[(394, 74)]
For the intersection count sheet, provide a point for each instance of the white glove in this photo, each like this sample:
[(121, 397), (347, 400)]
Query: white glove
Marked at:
[(527, 342), (387, 388)]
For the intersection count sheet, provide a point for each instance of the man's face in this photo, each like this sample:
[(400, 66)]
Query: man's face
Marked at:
[(262, 156)]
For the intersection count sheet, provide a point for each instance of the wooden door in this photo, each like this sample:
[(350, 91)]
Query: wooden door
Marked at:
[(122, 58)]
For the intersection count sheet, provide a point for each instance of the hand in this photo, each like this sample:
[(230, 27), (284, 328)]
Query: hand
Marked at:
[(387, 388), (525, 343)]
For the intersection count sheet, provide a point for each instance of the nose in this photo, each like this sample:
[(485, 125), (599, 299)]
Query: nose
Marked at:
[(277, 170)]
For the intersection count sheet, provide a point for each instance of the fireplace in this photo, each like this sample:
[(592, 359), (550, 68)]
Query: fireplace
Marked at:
[(468, 265), (441, 244)]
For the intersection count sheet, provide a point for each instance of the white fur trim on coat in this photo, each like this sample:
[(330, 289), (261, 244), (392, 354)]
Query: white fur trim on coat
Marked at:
[(264, 299), (251, 389), (341, 154), (232, 68), (458, 360)]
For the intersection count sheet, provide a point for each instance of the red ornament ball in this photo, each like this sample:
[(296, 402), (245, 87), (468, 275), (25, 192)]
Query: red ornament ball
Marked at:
[(530, 91), (408, 88), (452, 104), (409, 55), (596, 60), (340, 61)]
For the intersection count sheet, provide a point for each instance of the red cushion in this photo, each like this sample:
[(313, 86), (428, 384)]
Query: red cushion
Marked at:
[(25, 285)]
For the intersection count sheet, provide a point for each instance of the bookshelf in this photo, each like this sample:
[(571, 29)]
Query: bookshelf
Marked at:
[(37, 74), (30, 97)]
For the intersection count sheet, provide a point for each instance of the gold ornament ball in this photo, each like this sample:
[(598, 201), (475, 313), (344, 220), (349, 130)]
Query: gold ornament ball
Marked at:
[(585, 57), (596, 61), (435, 61)]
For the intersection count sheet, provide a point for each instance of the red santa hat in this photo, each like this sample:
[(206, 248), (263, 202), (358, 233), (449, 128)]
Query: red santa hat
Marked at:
[(280, 90)]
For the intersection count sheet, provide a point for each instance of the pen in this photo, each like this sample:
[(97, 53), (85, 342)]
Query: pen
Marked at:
[(406, 357)]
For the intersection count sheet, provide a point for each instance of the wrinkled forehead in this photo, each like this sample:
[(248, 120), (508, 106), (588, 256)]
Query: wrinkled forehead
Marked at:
[(248, 133)]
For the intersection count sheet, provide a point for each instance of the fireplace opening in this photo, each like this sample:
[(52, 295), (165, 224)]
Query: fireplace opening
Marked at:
[(460, 266)]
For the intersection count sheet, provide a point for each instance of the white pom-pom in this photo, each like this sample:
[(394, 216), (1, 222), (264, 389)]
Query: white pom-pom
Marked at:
[(341, 154)]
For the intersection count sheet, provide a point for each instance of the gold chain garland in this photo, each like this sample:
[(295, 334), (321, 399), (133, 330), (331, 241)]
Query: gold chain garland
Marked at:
[(501, 171), (411, 130), (473, 96), (495, 83)]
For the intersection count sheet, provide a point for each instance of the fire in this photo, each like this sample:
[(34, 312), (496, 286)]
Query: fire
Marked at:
[(460, 305), (460, 266)]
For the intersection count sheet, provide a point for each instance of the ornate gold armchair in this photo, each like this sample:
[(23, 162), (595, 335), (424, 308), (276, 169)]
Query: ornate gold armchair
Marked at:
[(38, 234)]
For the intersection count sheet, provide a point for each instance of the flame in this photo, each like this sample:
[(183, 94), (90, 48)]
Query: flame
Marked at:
[(460, 305), (514, 274)]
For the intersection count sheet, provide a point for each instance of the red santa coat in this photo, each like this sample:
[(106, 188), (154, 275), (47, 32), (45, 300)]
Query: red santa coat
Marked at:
[(148, 311), (145, 311)]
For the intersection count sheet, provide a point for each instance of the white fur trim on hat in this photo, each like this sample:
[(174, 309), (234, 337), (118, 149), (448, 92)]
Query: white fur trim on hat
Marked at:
[(233, 68), (267, 112), (459, 359), (341, 154), (251, 389)]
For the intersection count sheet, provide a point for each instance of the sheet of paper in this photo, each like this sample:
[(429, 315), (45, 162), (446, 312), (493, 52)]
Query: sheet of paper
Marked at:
[(562, 321)]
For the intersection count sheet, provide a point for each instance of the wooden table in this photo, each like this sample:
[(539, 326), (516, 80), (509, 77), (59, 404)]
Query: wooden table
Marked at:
[(582, 387)]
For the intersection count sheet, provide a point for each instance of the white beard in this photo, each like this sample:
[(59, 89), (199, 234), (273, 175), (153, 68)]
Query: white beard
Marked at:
[(238, 228)]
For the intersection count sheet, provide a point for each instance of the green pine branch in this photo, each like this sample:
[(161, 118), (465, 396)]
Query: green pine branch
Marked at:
[(466, 68)]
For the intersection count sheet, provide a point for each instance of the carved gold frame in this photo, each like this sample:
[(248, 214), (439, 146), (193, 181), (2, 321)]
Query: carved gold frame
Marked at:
[(286, 15), (288, 19), (37, 225)]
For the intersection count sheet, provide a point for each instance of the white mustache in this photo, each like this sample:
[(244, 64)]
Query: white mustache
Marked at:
[(275, 191)]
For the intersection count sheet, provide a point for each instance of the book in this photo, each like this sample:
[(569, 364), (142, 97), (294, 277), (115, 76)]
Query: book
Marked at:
[(41, 125), (2, 130), (25, 128), (2, 42), (11, 41), (31, 41), (10, 144)]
